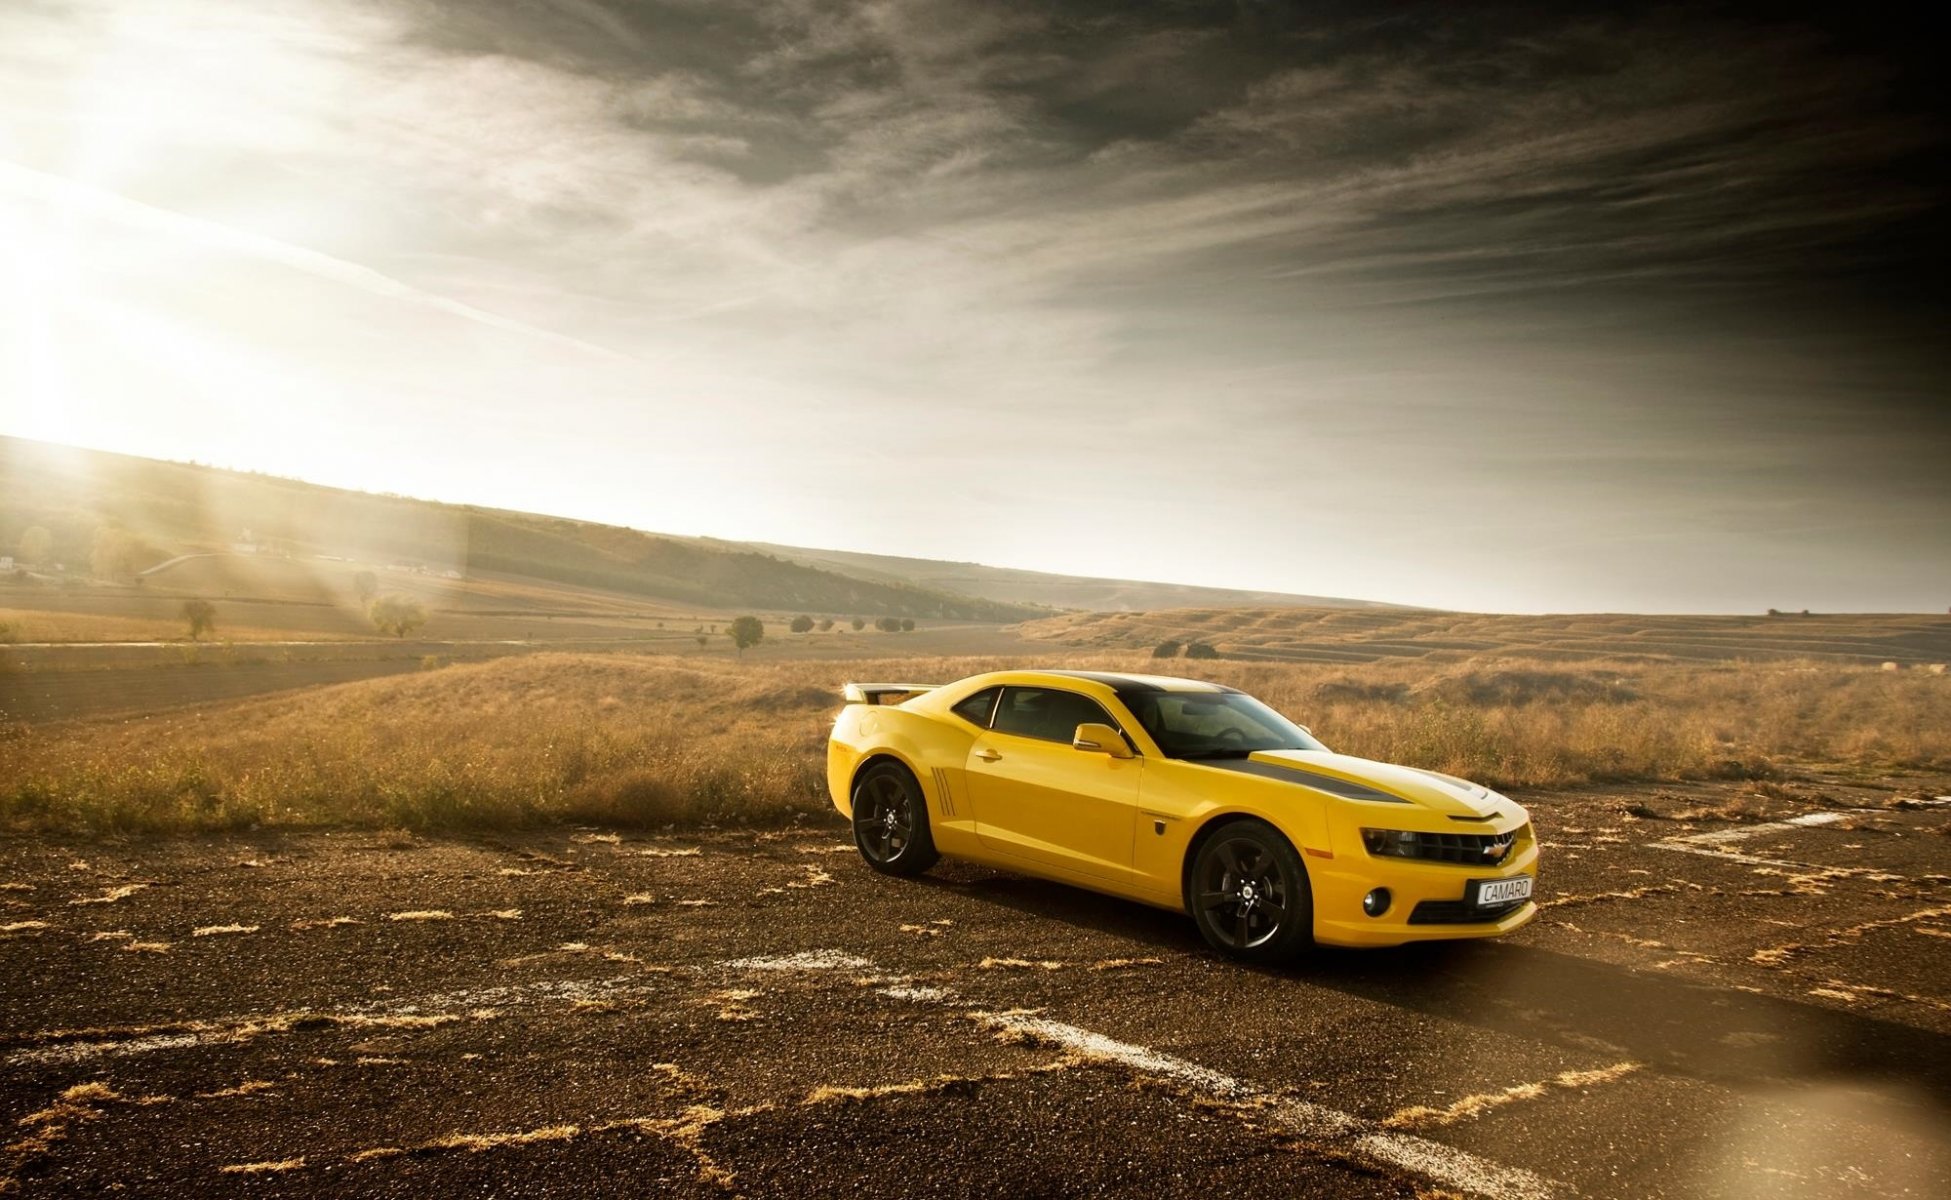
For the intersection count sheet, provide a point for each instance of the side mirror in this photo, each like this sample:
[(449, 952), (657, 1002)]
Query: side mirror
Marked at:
[(1100, 739)]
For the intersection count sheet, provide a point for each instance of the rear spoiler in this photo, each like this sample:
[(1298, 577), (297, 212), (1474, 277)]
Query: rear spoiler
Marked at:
[(885, 693)]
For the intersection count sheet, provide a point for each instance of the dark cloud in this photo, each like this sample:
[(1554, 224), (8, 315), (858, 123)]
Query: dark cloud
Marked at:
[(1658, 287), (1720, 226)]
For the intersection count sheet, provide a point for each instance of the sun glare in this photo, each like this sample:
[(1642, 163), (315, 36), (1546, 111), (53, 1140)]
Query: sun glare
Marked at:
[(39, 287)]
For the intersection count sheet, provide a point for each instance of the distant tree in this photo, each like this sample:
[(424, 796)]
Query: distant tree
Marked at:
[(1166, 649), (201, 616), (826, 623), (365, 585), (907, 624), (744, 632), (703, 641), (1774, 612), (859, 624), (35, 544), (802, 624), (8, 635), (888, 625), (1201, 650), (113, 556), (397, 615)]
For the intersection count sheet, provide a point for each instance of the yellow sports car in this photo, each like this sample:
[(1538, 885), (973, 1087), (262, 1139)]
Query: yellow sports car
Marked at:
[(1190, 796)]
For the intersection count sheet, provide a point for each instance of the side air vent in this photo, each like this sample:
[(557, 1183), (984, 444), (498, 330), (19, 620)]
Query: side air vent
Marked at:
[(945, 792)]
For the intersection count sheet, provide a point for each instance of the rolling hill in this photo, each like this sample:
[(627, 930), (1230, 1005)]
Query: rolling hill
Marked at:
[(114, 517), (1325, 635), (1010, 585)]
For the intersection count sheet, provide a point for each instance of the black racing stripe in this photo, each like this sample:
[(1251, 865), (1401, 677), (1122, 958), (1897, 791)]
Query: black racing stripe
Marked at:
[(1347, 789), (1125, 685), (1119, 683)]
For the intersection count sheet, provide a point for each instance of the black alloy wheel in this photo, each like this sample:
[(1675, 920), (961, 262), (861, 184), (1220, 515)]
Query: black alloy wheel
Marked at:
[(1248, 892), (891, 821)]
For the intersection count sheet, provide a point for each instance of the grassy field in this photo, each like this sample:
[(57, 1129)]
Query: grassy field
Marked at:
[(646, 741), (45, 625), (1333, 635), (270, 599)]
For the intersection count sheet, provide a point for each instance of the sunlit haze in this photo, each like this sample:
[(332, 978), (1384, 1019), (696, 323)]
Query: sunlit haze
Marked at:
[(1498, 309)]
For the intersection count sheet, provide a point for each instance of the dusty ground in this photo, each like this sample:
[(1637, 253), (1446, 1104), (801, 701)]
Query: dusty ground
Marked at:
[(1708, 1007)]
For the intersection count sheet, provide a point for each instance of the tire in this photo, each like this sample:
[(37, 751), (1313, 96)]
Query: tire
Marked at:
[(1248, 893), (891, 821)]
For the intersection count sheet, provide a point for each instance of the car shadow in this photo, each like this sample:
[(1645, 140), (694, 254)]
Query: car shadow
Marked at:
[(1509, 986)]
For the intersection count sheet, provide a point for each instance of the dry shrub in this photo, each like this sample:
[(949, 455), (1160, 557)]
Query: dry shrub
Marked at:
[(1514, 687), (652, 741), (1345, 690)]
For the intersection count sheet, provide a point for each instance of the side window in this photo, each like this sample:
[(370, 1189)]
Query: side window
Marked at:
[(1048, 713), (976, 709)]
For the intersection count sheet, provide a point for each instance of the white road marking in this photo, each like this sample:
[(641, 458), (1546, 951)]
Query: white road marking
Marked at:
[(1435, 1161), (80, 1051), (918, 993), (1757, 861), (225, 1030), (1096, 1045), (1712, 844), (1741, 833), (222, 1030), (1458, 1168), (805, 960), (506, 995)]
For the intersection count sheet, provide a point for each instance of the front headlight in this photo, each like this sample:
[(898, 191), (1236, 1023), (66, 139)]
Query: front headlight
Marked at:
[(1394, 843)]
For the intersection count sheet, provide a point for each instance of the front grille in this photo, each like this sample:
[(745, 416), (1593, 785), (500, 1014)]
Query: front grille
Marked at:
[(1469, 849), (1459, 912)]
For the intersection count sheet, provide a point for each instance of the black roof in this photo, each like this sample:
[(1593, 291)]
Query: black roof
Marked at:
[(1128, 684)]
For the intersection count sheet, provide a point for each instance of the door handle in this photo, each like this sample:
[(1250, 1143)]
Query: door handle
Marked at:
[(987, 755)]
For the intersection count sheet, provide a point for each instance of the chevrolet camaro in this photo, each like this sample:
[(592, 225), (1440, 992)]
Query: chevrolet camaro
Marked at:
[(1186, 795)]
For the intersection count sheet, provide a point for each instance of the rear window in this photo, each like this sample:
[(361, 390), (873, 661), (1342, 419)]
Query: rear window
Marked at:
[(1049, 713), (976, 709)]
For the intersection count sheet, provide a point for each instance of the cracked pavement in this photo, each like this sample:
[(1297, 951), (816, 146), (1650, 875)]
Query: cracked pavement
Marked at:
[(1730, 991)]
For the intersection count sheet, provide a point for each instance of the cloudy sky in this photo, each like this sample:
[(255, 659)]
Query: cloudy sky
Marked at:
[(1504, 308)]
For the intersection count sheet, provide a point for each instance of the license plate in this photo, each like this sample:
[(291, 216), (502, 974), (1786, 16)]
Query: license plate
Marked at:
[(1492, 893)]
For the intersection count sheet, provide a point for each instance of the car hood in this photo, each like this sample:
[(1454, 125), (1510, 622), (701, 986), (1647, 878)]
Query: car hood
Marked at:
[(1346, 775)]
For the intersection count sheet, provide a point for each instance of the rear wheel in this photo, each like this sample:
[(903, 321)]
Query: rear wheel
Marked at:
[(891, 821), (1248, 892)]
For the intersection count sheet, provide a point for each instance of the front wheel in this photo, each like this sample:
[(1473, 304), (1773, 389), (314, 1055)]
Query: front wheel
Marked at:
[(891, 821), (1248, 892)]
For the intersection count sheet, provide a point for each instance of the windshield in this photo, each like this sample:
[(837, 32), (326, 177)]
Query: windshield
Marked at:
[(1215, 724)]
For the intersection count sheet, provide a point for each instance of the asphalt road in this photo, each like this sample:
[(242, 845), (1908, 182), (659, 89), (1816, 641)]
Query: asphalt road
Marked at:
[(1706, 1008)]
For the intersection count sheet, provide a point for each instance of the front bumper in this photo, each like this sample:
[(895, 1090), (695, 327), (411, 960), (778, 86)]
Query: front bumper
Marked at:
[(1338, 885)]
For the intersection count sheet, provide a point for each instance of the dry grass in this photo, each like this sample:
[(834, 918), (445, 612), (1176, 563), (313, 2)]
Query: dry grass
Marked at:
[(626, 741), (1473, 1106), (1328, 635), (1539, 724), (55, 625)]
